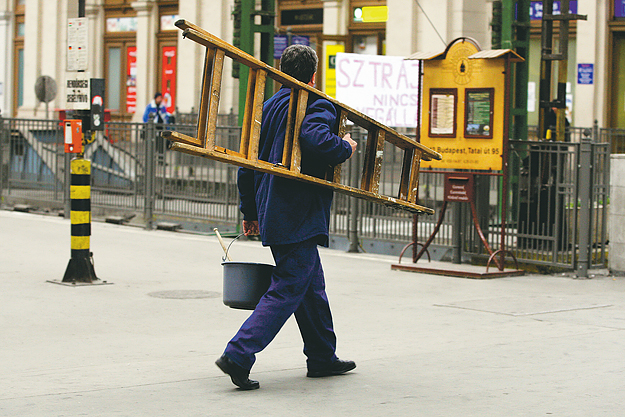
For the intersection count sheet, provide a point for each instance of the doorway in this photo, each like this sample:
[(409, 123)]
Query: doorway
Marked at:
[(616, 90), (121, 79)]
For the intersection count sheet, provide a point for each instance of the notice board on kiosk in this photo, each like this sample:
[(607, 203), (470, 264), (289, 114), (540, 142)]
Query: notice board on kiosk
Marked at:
[(464, 105)]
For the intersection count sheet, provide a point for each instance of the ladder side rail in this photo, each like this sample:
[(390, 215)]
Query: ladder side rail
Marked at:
[(263, 166), (355, 116)]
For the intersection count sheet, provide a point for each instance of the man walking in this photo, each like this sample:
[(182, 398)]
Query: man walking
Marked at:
[(292, 218)]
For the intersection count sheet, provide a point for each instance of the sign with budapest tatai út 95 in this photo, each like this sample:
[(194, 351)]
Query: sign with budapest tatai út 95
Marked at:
[(385, 88), (464, 91)]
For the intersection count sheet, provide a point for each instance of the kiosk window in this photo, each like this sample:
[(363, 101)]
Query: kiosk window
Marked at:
[(479, 113), (443, 104)]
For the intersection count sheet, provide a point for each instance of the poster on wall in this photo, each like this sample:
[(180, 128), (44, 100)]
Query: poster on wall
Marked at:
[(479, 113), (536, 8), (131, 79), (619, 8), (385, 88), (330, 69), (168, 86), (442, 113)]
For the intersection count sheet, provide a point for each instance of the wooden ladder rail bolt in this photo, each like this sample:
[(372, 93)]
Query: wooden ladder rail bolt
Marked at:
[(290, 167)]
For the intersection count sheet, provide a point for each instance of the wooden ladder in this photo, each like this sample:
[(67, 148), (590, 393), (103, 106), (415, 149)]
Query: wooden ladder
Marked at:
[(247, 155)]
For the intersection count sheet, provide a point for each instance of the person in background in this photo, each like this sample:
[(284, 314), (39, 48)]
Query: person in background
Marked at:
[(156, 111)]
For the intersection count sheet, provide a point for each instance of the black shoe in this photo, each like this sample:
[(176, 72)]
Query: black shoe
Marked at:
[(338, 367), (238, 375)]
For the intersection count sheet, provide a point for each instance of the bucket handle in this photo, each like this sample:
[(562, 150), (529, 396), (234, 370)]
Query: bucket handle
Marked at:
[(228, 248)]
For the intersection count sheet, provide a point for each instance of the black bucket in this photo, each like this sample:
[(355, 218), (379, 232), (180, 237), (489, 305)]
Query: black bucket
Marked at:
[(245, 282)]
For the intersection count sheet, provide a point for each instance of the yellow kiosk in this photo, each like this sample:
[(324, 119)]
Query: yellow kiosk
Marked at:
[(465, 117)]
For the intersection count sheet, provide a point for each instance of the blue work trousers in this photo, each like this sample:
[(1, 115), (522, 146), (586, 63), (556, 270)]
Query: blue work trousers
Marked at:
[(297, 286)]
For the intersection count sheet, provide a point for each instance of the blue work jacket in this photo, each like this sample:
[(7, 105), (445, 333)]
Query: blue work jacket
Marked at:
[(290, 211)]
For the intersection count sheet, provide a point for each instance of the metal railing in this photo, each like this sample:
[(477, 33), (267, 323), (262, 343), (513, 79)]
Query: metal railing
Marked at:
[(33, 162), (134, 173)]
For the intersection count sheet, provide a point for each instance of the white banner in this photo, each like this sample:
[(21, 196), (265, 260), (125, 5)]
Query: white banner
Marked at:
[(385, 88)]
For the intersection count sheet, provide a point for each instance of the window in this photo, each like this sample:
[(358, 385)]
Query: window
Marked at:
[(114, 78), (20, 77), (18, 56)]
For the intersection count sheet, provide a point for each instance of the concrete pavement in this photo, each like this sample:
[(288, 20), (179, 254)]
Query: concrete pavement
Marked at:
[(425, 345)]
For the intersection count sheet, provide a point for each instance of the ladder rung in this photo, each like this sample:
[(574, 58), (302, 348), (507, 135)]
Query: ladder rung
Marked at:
[(334, 173), (287, 151), (300, 113), (373, 161), (257, 114), (413, 188), (213, 106), (247, 113), (406, 167), (206, 80)]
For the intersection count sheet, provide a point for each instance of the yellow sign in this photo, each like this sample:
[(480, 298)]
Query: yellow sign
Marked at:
[(330, 68), (374, 14), (463, 108)]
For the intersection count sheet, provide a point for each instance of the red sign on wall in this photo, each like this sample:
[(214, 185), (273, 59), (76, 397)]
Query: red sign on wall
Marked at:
[(168, 86), (131, 79)]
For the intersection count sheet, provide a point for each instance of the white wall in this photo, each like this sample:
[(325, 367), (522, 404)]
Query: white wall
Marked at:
[(147, 28), (591, 49), (214, 18), (33, 46), (616, 217), (6, 46), (401, 27), (427, 38)]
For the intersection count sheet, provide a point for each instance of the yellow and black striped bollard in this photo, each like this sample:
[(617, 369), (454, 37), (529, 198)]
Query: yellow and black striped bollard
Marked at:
[(80, 267)]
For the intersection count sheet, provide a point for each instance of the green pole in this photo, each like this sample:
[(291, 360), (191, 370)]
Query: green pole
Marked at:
[(246, 28)]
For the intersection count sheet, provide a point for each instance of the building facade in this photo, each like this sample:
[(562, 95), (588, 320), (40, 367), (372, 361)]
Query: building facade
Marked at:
[(136, 48)]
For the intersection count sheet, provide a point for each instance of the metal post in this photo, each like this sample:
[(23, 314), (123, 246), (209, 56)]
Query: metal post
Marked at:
[(457, 237), (354, 245), (67, 202), (545, 68), (585, 212), (2, 164), (80, 267), (247, 13), (81, 8), (150, 174), (496, 25), (562, 73), (4, 167)]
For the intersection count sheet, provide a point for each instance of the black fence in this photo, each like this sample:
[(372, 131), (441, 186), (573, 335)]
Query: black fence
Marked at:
[(135, 174)]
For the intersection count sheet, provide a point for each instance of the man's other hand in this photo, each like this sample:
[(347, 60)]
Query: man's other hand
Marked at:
[(250, 228), (351, 142)]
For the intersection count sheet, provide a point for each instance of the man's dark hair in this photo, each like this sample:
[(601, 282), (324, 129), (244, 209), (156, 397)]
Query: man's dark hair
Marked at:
[(300, 62), (157, 95)]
